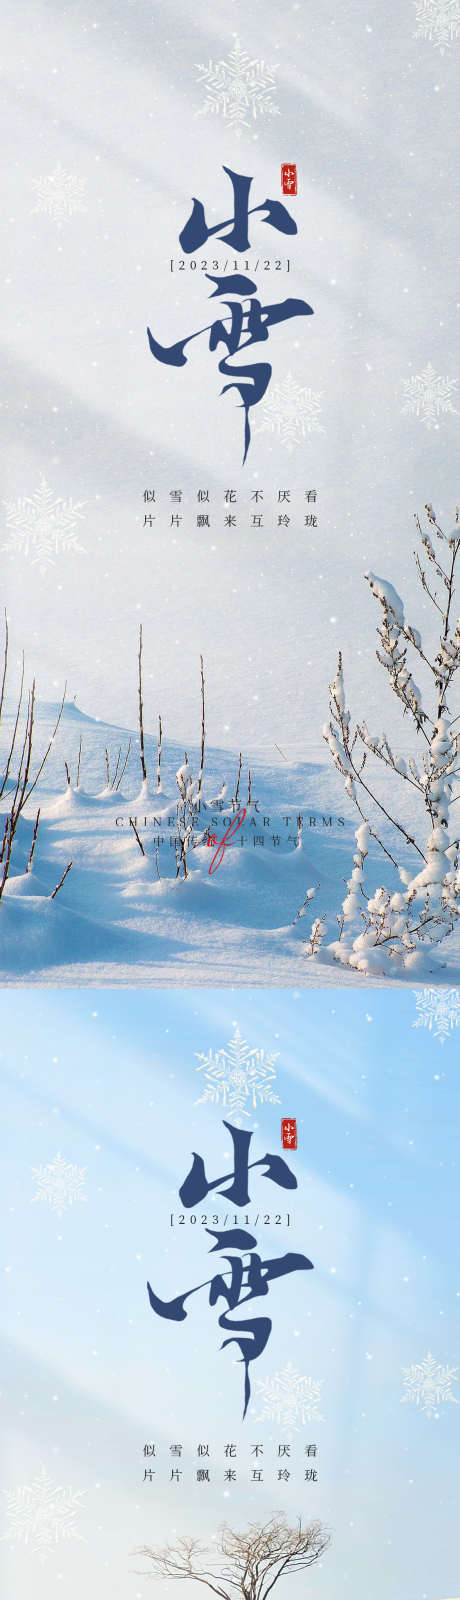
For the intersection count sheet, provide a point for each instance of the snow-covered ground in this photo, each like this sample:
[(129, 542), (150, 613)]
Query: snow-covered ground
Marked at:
[(124, 918)]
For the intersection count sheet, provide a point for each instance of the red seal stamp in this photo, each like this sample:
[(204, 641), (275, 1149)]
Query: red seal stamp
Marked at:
[(289, 178), (289, 1133)]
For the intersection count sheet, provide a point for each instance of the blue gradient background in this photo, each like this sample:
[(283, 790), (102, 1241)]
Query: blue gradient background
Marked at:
[(109, 1081)]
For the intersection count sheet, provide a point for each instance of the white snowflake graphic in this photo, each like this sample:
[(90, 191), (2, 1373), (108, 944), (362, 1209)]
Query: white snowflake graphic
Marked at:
[(438, 20), (428, 1384), (237, 1075), (238, 88), (439, 1010), (41, 1514), (59, 1185), (41, 526), (289, 1399), (59, 195), (289, 411), (428, 395)]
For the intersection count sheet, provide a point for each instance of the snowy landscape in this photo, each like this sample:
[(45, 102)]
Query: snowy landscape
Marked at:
[(124, 917), (125, 859)]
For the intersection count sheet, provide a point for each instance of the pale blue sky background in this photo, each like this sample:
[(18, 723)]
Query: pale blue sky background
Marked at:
[(109, 1081)]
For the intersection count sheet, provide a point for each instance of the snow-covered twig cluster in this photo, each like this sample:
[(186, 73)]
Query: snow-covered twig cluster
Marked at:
[(385, 930), (187, 808)]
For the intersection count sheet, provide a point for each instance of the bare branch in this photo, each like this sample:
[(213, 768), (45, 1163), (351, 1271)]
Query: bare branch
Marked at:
[(115, 775), (61, 881), (160, 749), (34, 841), (123, 770), (250, 1563), (237, 790), (15, 729), (5, 666), (133, 826), (49, 745), (200, 774), (141, 710)]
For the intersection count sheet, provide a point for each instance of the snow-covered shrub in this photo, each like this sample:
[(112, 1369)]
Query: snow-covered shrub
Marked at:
[(386, 930)]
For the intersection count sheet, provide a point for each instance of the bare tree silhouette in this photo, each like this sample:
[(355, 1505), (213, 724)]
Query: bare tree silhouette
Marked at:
[(248, 1563)]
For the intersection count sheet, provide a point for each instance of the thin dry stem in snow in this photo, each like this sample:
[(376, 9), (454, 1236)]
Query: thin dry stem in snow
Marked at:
[(115, 775), (139, 840), (310, 895), (141, 710), (19, 752), (34, 841), (381, 931), (5, 777), (111, 782), (116, 786), (237, 789), (141, 725), (61, 880), (200, 774)]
